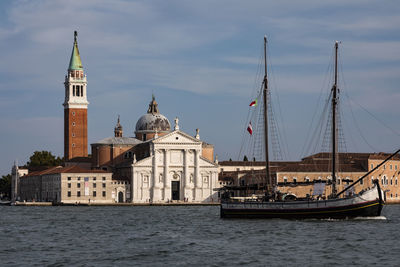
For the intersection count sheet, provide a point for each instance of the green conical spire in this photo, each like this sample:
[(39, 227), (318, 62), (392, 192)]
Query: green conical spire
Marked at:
[(75, 63)]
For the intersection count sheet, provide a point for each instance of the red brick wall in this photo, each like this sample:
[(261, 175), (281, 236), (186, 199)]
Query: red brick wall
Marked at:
[(75, 133)]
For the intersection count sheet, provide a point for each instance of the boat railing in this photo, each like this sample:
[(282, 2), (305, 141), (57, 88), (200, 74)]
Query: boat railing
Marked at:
[(282, 204)]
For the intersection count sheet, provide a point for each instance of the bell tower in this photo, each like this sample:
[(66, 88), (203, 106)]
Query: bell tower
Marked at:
[(75, 107)]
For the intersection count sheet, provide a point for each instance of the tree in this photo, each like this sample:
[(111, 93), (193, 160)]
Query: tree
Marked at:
[(43, 158), (5, 185), (245, 158)]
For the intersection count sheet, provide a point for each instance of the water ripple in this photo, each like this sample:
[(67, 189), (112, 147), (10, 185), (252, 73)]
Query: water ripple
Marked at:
[(182, 236)]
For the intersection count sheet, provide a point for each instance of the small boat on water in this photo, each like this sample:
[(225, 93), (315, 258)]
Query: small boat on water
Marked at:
[(5, 202), (367, 203)]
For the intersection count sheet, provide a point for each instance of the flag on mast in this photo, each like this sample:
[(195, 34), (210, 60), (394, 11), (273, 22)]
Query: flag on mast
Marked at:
[(253, 103), (250, 129)]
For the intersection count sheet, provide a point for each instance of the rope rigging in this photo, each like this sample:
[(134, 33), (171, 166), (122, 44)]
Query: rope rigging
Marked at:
[(253, 144)]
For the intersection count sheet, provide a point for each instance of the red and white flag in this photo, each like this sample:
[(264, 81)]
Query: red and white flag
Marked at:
[(250, 129), (253, 104)]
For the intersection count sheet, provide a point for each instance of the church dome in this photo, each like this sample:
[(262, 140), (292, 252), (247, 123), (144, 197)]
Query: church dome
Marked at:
[(152, 122)]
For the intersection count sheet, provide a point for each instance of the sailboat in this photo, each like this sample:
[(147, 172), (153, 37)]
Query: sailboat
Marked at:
[(368, 203)]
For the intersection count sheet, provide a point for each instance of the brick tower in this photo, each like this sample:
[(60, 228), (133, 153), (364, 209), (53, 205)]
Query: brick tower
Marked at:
[(75, 108)]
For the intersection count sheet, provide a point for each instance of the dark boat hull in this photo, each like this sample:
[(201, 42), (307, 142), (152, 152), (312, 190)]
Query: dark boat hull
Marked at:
[(365, 209)]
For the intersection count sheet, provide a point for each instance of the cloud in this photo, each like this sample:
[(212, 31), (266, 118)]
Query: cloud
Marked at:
[(198, 50)]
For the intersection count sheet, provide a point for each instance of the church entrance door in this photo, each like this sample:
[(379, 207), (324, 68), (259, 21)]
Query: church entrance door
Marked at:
[(120, 197), (175, 190)]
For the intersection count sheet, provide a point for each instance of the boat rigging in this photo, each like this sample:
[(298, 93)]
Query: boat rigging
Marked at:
[(366, 203)]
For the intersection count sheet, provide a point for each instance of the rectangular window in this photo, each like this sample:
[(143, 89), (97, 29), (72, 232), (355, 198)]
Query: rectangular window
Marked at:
[(104, 193), (390, 166), (79, 185), (69, 193), (94, 185), (69, 185), (362, 181), (78, 194), (104, 185), (94, 193), (79, 178), (104, 178), (395, 167), (94, 178), (69, 178)]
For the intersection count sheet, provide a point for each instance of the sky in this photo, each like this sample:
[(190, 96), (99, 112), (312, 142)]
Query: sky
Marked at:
[(201, 60)]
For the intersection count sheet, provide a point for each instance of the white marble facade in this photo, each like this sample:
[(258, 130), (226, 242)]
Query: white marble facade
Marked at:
[(174, 171)]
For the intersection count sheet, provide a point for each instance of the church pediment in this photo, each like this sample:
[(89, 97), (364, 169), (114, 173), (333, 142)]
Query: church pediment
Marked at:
[(176, 137), (144, 162)]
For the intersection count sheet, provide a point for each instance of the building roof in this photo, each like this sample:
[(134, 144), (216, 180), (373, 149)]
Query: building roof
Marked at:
[(328, 155), (254, 163), (60, 169), (321, 168), (118, 141), (383, 156), (75, 62)]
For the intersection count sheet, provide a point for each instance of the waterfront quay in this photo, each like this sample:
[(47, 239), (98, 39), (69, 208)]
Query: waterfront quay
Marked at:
[(175, 203)]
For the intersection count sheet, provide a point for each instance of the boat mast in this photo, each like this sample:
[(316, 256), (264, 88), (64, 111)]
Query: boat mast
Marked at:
[(334, 128), (265, 95)]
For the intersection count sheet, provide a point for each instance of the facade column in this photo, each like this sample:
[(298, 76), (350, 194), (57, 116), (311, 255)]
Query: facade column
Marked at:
[(155, 184), (198, 182), (186, 177), (133, 185), (167, 181)]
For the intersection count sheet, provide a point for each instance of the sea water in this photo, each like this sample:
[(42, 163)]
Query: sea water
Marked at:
[(190, 235)]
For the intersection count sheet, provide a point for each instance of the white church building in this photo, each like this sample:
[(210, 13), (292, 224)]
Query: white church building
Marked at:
[(174, 170)]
